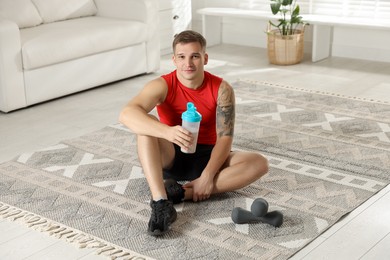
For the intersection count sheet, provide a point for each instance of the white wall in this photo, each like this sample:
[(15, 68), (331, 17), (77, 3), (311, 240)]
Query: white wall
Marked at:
[(347, 42), (198, 4), (361, 43)]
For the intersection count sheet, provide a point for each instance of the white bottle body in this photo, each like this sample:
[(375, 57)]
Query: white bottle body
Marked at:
[(193, 127)]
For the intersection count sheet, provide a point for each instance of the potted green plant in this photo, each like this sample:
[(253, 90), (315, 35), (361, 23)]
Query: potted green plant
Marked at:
[(286, 36)]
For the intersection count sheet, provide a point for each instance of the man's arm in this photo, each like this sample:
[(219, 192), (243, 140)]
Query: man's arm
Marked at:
[(225, 111), (135, 115), (225, 118)]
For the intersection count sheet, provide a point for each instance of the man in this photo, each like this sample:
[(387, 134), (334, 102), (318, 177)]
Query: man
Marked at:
[(214, 168)]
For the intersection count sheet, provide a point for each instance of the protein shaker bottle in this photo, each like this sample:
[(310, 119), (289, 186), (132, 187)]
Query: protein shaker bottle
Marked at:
[(191, 121)]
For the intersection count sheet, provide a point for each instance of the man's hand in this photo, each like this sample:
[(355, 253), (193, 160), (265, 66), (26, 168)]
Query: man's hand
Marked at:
[(202, 188), (180, 136)]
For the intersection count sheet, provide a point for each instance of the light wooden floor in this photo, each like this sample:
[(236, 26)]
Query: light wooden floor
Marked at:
[(363, 234)]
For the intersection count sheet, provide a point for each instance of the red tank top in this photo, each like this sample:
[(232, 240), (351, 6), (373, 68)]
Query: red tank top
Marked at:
[(204, 99)]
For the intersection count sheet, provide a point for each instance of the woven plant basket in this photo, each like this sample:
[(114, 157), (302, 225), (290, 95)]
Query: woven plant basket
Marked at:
[(285, 49)]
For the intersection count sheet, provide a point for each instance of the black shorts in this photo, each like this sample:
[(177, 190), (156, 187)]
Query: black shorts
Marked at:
[(188, 167)]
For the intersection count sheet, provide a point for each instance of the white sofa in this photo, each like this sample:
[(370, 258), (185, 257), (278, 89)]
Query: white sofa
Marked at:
[(51, 48)]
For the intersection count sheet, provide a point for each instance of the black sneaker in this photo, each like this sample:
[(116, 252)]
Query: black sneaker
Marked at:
[(175, 191), (163, 215)]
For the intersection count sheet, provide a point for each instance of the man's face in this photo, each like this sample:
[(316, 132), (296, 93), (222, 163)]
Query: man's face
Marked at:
[(189, 59)]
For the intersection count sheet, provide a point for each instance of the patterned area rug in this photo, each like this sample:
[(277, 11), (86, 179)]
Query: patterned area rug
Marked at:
[(328, 154)]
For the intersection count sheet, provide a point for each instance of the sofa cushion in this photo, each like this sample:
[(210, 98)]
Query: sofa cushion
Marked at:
[(58, 10), (22, 12), (66, 40)]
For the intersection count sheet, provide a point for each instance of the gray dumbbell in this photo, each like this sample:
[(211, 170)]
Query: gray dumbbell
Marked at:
[(257, 214)]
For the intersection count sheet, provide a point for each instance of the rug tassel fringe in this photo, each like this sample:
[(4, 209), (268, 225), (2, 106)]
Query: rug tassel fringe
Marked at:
[(72, 236), (117, 253)]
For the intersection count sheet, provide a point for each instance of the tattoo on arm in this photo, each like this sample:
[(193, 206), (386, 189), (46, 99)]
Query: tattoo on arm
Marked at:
[(225, 111)]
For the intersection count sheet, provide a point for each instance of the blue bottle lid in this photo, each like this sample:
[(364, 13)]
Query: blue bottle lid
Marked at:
[(191, 115)]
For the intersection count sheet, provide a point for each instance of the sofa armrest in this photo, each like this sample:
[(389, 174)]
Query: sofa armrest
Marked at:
[(12, 92)]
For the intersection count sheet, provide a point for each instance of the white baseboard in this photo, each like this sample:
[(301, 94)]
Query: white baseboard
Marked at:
[(363, 53)]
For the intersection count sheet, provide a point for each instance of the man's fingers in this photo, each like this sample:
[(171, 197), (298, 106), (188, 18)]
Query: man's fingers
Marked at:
[(184, 140), (181, 136), (199, 197), (187, 136)]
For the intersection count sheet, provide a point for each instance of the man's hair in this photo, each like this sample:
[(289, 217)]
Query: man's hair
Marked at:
[(189, 36)]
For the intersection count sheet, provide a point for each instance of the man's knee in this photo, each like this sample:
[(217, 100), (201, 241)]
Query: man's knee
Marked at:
[(146, 140), (259, 165), (265, 165)]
